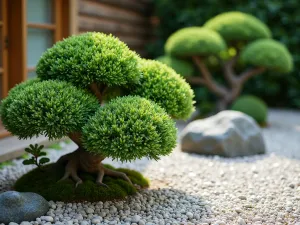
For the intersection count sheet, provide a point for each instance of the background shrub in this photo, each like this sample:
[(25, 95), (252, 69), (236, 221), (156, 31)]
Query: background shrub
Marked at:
[(282, 17), (252, 106)]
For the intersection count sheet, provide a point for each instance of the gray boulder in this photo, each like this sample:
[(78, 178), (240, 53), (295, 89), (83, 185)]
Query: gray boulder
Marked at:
[(228, 133), (17, 207)]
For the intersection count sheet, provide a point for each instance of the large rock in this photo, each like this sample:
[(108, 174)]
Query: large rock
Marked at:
[(228, 133), (17, 207)]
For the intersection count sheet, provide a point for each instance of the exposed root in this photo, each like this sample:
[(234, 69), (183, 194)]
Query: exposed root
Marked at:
[(84, 161)]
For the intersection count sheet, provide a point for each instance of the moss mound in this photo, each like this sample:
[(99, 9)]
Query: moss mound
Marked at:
[(252, 106), (44, 182)]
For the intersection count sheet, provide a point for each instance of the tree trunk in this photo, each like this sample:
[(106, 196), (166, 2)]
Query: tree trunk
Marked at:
[(82, 160)]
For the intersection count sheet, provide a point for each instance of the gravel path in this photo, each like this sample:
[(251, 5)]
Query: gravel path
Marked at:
[(192, 189)]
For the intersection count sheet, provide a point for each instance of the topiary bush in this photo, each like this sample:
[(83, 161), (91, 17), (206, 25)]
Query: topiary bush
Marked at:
[(182, 67), (238, 43), (282, 17), (110, 102), (252, 106)]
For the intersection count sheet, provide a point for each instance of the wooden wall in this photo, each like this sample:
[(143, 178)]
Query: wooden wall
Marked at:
[(127, 19)]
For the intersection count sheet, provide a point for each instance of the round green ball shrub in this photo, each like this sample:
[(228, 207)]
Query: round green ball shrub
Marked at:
[(268, 53), (165, 87), (51, 108), (44, 182), (193, 41), (129, 128), (238, 26), (182, 67), (88, 58), (252, 106)]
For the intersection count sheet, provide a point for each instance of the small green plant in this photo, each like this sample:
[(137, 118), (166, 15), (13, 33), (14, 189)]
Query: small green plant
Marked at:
[(36, 152), (7, 163), (55, 146)]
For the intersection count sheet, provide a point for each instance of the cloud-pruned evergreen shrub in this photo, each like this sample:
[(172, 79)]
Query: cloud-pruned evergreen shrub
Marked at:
[(89, 58), (238, 26), (182, 67), (165, 87), (194, 41), (252, 106), (50, 108), (85, 90), (219, 46), (268, 53), (137, 126)]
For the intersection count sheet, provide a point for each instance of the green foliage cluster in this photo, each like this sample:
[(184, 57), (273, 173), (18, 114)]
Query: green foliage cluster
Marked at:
[(237, 26), (194, 41), (88, 58), (44, 182), (258, 54), (182, 67), (282, 17), (252, 106), (165, 87), (61, 101), (36, 152), (51, 108), (129, 128)]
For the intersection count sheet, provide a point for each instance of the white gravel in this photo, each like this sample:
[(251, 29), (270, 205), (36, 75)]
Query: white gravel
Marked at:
[(192, 189)]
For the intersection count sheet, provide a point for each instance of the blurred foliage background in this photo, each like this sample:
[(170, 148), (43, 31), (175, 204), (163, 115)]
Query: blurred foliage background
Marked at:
[(282, 17)]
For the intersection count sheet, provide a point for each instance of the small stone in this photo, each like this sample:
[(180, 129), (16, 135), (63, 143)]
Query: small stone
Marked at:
[(90, 210), (190, 215), (292, 185), (96, 220), (25, 223), (12, 223), (241, 221), (142, 222), (243, 197), (47, 218), (135, 219), (84, 223), (238, 210), (220, 223)]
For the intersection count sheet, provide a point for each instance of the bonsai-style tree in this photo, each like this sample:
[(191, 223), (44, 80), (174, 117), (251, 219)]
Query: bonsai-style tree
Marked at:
[(229, 40), (77, 94)]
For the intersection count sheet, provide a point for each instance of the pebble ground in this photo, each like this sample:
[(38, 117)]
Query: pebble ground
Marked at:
[(191, 189)]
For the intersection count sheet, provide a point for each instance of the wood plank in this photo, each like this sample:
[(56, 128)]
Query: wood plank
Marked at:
[(3, 132), (4, 49), (41, 26), (97, 9), (58, 20), (1, 70), (17, 31), (129, 5), (110, 26)]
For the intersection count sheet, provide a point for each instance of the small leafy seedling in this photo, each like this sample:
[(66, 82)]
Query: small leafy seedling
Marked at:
[(36, 152)]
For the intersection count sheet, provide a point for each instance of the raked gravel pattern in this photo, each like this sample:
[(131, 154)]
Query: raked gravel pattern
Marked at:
[(192, 189)]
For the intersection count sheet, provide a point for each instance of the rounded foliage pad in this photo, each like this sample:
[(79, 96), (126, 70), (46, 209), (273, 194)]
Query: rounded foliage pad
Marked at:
[(238, 26), (268, 53), (51, 108), (182, 67), (165, 87), (253, 107), (129, 128), (194, 41), (45, 183), (87, 58)]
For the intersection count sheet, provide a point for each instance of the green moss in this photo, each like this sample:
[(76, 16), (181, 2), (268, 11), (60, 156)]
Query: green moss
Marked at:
[(268, 53), (238, 26), (194, 41), (44, 182), (128, 128), (6, 163), (55, 146), (87, 58), (165, 87), (252, 106), (182, 67)]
